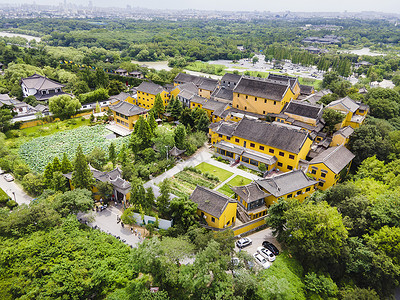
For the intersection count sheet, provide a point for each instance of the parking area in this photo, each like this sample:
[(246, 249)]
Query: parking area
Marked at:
[(258, 238)]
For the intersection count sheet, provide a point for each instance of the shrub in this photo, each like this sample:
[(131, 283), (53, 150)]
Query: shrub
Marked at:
[(11, 204)]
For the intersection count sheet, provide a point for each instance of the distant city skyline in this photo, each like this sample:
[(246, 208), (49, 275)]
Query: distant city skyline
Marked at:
[(388, 6)]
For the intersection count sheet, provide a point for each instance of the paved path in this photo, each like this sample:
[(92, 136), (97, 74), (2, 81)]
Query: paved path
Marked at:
[(106, 221), (204, 154), (14, 191)]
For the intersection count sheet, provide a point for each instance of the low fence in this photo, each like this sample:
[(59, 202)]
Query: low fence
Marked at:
[(162, 223)]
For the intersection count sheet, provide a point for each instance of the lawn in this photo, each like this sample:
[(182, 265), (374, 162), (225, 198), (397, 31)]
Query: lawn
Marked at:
[(239, 180), (220, 173), (236, 181)]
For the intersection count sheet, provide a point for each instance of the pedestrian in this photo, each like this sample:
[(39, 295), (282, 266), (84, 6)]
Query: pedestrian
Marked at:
[(135, 231), (122, 224), (115, 203)]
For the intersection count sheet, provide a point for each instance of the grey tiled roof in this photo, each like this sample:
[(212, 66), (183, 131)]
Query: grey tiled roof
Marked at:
[(304, 109), (271, 135), (150, 88), (250, 192), (208, 84), (188, 86), (283, 78), (223, 93), (230, 77), (224, 127), (183, 78), (261, 88), (335, 158), (121, 96), (209, 201), (306, 89), (286, 183), (345, 131), (346, 103), (40, 82), (215, 106), (127, 109), (186, 94), (243, 113), (198, 99)]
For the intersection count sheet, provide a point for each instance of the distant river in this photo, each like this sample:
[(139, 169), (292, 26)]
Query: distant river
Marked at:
[(28, 37)]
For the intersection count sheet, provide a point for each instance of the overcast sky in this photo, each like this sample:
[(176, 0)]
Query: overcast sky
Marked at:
[(248, 5)]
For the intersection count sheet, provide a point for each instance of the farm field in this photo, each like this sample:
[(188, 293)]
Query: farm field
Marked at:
[(40, 151), (236, 181), (220, 173), (184, 183)]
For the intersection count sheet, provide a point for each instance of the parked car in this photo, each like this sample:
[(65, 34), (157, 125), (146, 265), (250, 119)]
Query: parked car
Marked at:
[(261, 260), (271, 247), (8, 177), (266, 253), (244, 242)]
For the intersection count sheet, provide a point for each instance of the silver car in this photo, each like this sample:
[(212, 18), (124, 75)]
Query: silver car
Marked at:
[(244, 242), (266, 253)]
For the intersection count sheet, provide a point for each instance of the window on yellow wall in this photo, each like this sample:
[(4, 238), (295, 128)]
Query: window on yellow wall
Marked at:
[(252, 145), (255, 98), (228, 138), (290, 167), (298, 193), (236, 140), (265, 100), (271, 150), (291, 156), (247, 97), (281, 153), (261, 147), (245, 108), (290, 196), (274, 102), (308, 189), (213, 219), (280, 164), (313, 172), (323, 175)]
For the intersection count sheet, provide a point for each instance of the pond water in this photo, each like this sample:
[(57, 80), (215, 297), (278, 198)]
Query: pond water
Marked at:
[(163, 65), (28, 37), (363, 51)]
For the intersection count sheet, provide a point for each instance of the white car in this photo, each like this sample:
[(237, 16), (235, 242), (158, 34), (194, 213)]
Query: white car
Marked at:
[(244, 242), (8, 177), (261, 260), (266, 253)]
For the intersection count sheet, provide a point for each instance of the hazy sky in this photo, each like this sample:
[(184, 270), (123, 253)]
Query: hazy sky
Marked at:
[(248, 5)]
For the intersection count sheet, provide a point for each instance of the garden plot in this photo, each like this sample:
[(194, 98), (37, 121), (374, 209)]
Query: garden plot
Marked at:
[(184, 183), (40, 151)]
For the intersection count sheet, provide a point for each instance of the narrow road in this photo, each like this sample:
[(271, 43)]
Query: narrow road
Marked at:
[(14, 191)]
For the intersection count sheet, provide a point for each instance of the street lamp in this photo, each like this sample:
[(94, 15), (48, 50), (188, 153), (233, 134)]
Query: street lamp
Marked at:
[(166, 146)]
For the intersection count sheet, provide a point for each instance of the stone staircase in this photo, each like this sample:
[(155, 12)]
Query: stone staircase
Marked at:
[(242, 214)]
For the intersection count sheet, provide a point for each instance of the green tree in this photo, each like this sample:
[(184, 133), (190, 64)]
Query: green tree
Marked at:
[(331, 118), (152, 123), (163, 199), (98, 108), (64, 106), (5, 118), (183, 212), (66, 165), (115, 87), (81, 87), (112, 155), (48, 175), (123, 155), (144, 133), (315, 233), (56, 165), (101, 78), (72, 202), (97, 158), (180, 136), (81, 176), (105, 189), (158, 107), (58, 182)]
